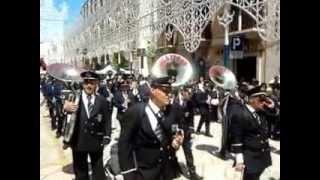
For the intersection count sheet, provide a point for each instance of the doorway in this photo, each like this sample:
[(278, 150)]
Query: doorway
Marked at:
[(246, 68)]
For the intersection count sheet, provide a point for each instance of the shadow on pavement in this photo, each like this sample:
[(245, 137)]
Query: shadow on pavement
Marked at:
[(68, 169), (213, 150), (208, 148)]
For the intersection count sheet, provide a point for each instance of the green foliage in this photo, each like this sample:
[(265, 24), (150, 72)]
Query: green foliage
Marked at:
[(124, 62)]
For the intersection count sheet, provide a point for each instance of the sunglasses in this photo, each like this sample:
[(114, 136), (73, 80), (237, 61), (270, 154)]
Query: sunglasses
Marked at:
[(165, 89), (89, 81), (263, 98)]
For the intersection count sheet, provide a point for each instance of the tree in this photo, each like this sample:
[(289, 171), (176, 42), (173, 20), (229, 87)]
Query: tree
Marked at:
[(123, 64)]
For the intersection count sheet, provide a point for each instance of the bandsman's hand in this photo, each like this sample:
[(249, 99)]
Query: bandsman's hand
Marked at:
[(177, 140), (240, 167), (70, 107), (269, 103)]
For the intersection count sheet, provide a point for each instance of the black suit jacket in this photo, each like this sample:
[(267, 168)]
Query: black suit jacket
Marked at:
[(201, 98), (133, 98), (138, 143), (249, 137), (118, 101), (89, 132), (184, 115)]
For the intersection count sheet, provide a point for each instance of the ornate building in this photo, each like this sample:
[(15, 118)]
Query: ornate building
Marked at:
[(140, 30)]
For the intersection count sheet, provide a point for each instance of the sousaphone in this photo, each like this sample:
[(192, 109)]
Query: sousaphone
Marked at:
[(223, 77), (173, 65), (69, 75)]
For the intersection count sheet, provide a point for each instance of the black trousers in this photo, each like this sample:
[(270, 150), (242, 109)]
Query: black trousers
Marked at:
[(60, 118), (52, 114), (251, 176), (80, 165), (204, 119), (188, 153)]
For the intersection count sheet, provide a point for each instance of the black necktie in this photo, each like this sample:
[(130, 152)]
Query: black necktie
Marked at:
[(90, 105), (158, 130), (257, 117)]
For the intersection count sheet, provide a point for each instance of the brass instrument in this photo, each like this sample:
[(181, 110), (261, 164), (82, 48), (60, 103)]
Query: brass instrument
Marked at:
[(69, 75), (173, 65), (223, 77)]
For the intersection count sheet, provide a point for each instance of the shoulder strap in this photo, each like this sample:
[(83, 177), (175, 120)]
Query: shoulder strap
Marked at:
[(165, 131)]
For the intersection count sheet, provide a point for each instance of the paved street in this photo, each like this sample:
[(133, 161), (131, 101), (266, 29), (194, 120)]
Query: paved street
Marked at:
[(55, 164)]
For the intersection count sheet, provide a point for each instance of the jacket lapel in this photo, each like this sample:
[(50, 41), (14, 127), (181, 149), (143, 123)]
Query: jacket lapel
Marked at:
[(146, 124), (252, 119)]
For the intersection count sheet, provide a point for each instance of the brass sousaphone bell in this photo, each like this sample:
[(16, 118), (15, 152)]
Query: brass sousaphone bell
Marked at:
[(223, 77), (173, 65)]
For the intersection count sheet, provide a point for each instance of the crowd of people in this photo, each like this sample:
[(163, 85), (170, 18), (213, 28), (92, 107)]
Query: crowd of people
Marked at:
[(157, 119)]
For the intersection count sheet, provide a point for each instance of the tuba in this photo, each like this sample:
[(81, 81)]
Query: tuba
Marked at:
[(223, 77), (69, 75), (173, 65), (226, 80)]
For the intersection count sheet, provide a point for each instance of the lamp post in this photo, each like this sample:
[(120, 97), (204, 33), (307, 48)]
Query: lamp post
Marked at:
[(225, 20)]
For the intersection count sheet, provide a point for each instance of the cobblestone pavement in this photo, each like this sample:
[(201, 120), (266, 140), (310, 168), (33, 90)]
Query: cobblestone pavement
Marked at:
[(55, 164)]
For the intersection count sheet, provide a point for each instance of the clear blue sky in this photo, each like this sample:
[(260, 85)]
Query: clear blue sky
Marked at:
[(73, 8)]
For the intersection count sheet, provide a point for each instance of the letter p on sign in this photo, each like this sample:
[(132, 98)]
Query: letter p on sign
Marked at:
[(236, 43)]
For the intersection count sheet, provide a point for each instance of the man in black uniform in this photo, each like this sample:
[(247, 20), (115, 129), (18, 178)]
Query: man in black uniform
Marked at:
[(133, 93), (147, 143), (121, 99), (202, 98), (249, 134), (184, 118), (92, 130)]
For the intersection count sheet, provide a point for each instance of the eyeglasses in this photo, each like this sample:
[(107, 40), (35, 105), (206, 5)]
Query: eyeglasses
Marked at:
[(262, 98), (165, 89), (89, 81)]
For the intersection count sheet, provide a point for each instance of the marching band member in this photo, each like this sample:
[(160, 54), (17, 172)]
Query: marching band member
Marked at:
[(121, 100), (249, 134), (92, 129), (202, 98), (184, 119), (147, 144)]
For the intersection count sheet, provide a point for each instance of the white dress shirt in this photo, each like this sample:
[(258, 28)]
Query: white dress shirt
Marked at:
[(152, 118), (85, 101)]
